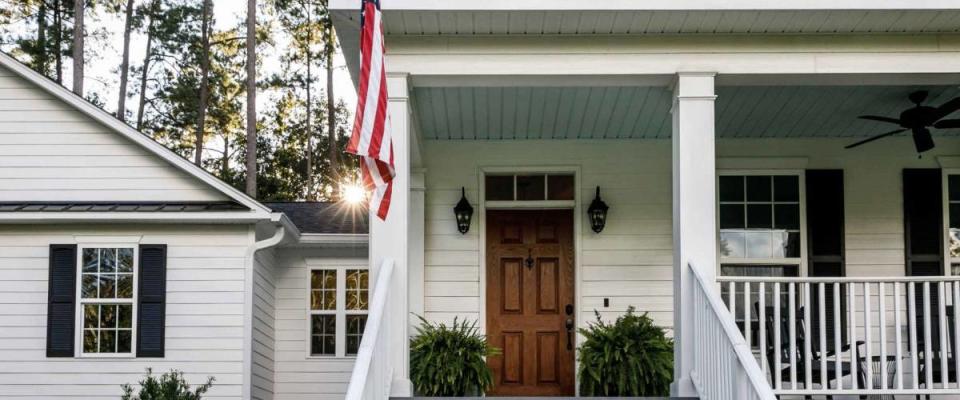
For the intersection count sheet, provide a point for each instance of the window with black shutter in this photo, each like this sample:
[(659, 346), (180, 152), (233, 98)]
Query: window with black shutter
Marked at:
[(61, 306), (152, 300)]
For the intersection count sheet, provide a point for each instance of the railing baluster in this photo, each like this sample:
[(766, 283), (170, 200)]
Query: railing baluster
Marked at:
[(837, 335), (852, 330), (927, 346), (747, 321), (822, 323), (956, 331), (882, 303), (777, 353), (807, 358), (897, 335), (732, 298), (912, 323), (941, 301), (792, 326), (867, 333), (762, 322)]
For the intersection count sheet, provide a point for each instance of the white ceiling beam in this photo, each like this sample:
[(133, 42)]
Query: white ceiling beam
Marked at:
[(672, 5)]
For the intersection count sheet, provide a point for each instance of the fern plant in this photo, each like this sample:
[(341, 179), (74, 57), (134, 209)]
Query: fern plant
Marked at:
[(169, 386), (630, 357), (450, 360)]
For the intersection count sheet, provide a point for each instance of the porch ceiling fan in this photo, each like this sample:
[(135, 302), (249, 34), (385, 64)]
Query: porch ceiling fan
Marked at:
[(918, 119)]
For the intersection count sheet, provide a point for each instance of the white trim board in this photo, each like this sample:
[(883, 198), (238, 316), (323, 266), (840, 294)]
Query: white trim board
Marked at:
[(101, 116)]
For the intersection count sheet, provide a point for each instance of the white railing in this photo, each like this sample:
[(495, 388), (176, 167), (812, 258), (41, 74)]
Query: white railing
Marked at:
[(373, 370), (724, 366), (835, 336)]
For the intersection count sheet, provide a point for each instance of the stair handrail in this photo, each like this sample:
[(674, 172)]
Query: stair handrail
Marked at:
[(372, 370)]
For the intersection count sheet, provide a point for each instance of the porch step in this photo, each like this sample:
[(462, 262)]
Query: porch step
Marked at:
[(543, 398)]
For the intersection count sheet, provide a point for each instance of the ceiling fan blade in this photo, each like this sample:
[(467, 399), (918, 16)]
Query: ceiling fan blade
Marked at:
[(947, 124), (881, 119), (947, 108), (880, 136)]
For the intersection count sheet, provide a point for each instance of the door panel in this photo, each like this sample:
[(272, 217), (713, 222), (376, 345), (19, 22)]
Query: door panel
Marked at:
[(530, 285)]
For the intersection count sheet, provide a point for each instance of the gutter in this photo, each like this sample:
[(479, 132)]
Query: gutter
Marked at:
[(281, 224)]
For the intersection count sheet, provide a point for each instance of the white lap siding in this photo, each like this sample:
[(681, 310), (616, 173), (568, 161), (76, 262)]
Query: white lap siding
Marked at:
[(298, 376), (49, 151), (263, 341), (204, 314), (631, 263)]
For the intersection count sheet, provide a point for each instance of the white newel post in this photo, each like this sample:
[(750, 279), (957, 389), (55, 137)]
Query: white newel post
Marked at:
[(694, 210), (390, 239)]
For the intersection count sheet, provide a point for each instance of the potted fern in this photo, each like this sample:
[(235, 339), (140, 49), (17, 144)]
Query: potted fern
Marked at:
[(169, 386), (630, 357), (448, 361)]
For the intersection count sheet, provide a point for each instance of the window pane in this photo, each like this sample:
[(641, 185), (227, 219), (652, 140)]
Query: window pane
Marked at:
[(357, 281), (954, 183), (759, 216), (530, 187), (758, 188), (108, 260), (954, 243), (355, 326), (90, 341), (124, 340), (759, 270), (323, 335), (125, 286), (499, 187), (91, 316), (323, 295), (759, 244), (733, 244), (88, 286), (731, 188), (125, 319), (108, 341), (731, 216), (786, 216), (90, 260), (108, 316), (786, 188), (108, 287), (955, 215), (792, 245), (125, 260), (560, 187)]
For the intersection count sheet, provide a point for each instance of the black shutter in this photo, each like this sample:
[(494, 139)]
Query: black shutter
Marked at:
[(825, 243), (152, 299), (61, 300), (923, 239)]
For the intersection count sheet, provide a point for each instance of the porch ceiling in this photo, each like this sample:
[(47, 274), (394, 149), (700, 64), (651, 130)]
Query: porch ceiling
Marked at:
[(633, 112)]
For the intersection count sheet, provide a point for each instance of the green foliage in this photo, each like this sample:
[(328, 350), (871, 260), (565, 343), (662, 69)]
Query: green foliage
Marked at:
[(169, 386), (631, 357), (450, 361)]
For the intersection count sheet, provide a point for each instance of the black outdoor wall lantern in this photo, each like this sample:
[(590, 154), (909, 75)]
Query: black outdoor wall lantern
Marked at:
[(598, 213), (463, 211)]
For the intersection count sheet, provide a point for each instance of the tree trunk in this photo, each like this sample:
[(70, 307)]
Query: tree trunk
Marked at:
[(331, 109), (225, 161), (204, 82), (125, 64), (41, 62), (146, 66), (58, 39), (78, 47), (251, 179), (309, 105)]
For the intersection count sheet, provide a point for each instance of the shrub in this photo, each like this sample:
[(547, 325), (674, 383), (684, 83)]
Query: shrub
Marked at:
[(450, 361), (631, 357), (170, 386)]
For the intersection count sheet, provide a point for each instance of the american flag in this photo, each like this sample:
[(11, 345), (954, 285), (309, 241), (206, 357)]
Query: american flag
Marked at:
[(371, 137)]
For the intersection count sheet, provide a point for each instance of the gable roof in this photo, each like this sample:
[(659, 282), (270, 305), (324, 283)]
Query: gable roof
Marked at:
[(99, 115), (324, 217)]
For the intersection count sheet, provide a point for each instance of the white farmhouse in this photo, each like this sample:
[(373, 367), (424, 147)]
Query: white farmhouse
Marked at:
[(784, 261)]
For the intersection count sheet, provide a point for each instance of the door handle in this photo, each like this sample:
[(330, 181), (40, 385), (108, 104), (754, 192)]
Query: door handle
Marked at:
[(569, 325)]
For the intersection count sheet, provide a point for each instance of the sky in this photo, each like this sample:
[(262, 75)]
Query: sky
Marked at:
[(103, 77)]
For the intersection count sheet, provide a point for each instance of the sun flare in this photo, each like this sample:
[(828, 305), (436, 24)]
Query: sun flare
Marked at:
[(353, 193)]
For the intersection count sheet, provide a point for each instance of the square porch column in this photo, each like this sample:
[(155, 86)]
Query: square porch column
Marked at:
[(391, 238), (694, 210)]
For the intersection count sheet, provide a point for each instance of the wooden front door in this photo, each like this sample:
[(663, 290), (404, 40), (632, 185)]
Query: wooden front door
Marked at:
[(530, 313)]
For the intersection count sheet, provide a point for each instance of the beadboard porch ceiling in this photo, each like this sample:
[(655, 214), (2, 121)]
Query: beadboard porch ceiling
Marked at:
[(635, 112)]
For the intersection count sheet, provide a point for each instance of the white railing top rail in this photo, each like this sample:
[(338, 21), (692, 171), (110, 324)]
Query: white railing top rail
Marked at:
[(838, 279), (756, 376), (378, 305)]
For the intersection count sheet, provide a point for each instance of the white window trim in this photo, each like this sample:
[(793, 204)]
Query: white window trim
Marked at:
[(78, 327), (947, 259), (800, 262), (341, 266)]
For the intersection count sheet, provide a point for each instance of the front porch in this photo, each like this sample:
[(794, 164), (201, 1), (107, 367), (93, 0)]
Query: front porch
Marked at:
[(852, 231)]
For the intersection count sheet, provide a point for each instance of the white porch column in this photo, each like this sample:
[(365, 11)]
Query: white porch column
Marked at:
[(694, 209), (390, 239)]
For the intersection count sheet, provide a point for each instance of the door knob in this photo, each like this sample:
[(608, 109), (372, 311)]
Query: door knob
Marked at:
[(569, 325)]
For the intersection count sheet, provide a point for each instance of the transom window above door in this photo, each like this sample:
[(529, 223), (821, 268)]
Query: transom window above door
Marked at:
[(529, 187), (760, 224)]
